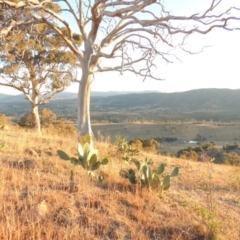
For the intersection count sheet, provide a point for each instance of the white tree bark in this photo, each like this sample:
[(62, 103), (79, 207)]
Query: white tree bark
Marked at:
[(36, 125), (84, 123)]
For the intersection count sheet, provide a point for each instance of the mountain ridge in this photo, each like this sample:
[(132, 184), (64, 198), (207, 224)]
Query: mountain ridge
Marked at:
[(68, 95), (208, 99), (194, 100)]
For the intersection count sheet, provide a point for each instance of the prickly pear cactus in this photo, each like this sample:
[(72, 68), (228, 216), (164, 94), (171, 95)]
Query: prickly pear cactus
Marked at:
[(152, 179), (87, 158)]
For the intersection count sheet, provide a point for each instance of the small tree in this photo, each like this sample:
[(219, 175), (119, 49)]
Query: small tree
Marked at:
[(36, 63)]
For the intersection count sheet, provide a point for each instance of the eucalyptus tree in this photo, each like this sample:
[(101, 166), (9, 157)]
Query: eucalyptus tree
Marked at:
[(123, 35), (35, 62)]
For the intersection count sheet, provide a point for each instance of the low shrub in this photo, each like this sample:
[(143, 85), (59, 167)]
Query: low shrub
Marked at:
[(129, 152), (187, 154), (208, 146), (231, 158), (230, 147), (121, 143), (137, 143), (46, 117), (148, 144), (26, 121), (60, 128), (193, 153), (49, 123)]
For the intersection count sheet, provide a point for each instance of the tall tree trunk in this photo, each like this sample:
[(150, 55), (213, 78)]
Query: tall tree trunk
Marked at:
[(35, 119), (35, 114), (84, 123)]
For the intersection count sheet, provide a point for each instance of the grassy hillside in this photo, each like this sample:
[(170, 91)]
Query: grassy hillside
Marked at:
[(35, 202)]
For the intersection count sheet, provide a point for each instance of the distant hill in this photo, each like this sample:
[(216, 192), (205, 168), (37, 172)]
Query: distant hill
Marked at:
[(70, 95), (116, 93), (207, 99), (5, 98), (218, 104), (194, 100)]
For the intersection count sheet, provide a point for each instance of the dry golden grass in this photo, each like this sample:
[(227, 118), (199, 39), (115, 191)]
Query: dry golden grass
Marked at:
[(35, 203)]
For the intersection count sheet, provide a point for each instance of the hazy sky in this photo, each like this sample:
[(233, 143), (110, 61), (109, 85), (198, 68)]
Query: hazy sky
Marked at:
[(216, 67)]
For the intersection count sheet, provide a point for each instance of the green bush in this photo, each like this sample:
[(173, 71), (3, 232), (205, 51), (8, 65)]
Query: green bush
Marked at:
[(26, 121), (3, 120), (231, 158)]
